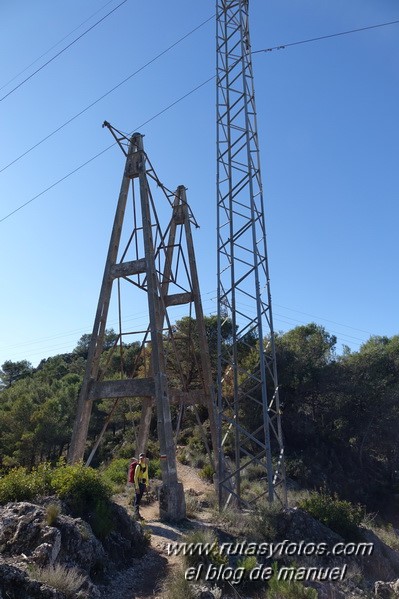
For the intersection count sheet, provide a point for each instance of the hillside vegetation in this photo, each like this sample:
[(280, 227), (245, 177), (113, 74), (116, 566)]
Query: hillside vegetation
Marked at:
[(340, 413)]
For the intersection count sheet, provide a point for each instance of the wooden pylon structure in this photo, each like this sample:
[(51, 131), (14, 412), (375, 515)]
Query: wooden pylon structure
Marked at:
[(153, 259)]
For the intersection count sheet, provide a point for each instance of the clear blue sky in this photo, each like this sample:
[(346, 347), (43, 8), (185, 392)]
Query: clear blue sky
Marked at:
[(329, 140)]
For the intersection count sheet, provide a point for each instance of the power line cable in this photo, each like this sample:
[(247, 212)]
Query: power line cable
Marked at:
[(158, 56), (138, 316), (168, 107), (326, 319), (61, 51), (324, 37), (78, 168), (106, 94), (340, 324), (55, 45)]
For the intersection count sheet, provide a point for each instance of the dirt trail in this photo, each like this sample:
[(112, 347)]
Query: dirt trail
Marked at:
[(144, 578)]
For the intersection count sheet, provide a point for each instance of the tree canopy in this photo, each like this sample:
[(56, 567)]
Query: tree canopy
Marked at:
[(340, 412)]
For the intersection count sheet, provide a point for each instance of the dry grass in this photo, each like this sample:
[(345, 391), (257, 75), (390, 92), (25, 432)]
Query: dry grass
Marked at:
[(193, 505), (385, 532), (52, 512), (65, 580), (176, 586)]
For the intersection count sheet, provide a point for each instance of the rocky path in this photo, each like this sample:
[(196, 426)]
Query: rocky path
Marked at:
[(145, 577)]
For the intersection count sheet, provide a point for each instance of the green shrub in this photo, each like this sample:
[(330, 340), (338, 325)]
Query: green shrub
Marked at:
[(341, 516), (84, 490), (183, 457), (100, 519), (248, 563), (116, 472), (254, 472), (81, 487), (21, 485), (87, 495), (199, 539), (297, 470), (154, 468), (286, 589), (207, 473), (125, 451), (261, 523)]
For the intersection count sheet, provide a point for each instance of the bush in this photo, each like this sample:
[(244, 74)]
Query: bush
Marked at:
[(262, 522), (248, 563), (177, 587), (207, 473), (83, 489), (296, 469), (116, 472), (286, 589), (200, 539), (341, 516), (21, 485), (100, 519), (80, 486), (154, 468), (87, 495)]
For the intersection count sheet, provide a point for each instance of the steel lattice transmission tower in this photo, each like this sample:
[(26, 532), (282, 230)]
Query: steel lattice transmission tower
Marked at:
[(248, 396)]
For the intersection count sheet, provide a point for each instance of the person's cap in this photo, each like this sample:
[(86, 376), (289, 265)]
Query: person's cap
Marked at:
[(142, 455)]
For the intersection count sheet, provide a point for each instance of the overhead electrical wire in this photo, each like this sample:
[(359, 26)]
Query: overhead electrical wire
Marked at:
[(39, 351), (324, 37), (61, 51), (106, 94), (55, 45), (78, 168), (171, 105)]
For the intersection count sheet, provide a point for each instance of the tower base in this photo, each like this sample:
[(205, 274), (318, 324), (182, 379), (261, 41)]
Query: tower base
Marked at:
[(172, 503)]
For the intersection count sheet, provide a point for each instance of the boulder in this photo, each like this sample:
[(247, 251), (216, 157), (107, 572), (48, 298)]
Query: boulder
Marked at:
[(23, 531), (384, 561), (297, 525), (16, 583), (386, 590), (26, 538)]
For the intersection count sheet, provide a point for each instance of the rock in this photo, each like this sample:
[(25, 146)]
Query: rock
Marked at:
[(26, 538), (297, 525), (203, 592), (386, 590), (127, 538), (383, 564), (79, 546), (47, 552), (328, 590), (15, 583)]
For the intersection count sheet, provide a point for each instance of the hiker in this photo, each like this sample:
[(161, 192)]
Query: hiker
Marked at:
[(140, 482)]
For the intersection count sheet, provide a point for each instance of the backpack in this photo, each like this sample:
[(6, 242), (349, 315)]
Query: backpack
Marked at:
[(132, 468)]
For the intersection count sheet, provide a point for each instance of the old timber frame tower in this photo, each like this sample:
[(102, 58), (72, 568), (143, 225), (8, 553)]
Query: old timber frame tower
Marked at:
[(249, 421), (146, 256)]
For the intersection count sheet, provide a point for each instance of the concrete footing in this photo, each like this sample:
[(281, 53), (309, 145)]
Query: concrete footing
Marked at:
[(172, 504)]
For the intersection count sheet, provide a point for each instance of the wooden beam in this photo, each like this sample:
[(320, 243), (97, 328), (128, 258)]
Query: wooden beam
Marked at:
[(125, 269), (189, 398), (177, 299), (143, 388), (126, 388)]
